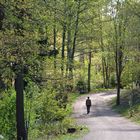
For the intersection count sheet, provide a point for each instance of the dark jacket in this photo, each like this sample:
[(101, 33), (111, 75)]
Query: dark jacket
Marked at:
[(88, 102)]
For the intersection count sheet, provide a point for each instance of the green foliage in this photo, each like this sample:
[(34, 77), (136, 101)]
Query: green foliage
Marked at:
[(50, 110), (30, 94), (131, 73), (8, 114), (43, 113), (130, 105), (80, 27), (113, 81), (80, 131), (81, 86), (47, 116)]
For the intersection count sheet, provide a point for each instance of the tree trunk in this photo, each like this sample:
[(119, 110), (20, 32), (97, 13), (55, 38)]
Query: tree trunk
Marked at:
[(63, 48), (68, 47), (76, 29), (119, 27), (63, 40), (104, 60), (118, 90), (117, 71), (74, 40), (54, 36), (104, 71), (54, 33), (2, 15), (89, 72)]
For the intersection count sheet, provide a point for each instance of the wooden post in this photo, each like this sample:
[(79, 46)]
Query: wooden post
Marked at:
[(19, 87)]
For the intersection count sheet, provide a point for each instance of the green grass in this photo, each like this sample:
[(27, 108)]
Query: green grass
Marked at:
[(79, 133), (130, 112), (98, 90), (72, 97), (74, 136)]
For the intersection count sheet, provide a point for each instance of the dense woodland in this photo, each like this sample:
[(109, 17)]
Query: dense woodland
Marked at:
[(51, 48)]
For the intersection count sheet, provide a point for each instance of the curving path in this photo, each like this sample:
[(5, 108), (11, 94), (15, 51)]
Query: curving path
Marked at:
[(103, 123)]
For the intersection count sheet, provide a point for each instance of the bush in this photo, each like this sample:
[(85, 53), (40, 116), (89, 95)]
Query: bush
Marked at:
[(43, 111), (50, 114), (8, 114), (113, 81), (81, 86)]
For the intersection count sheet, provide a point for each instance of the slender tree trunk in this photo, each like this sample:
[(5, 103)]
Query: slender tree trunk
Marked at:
[(117, 43), (117, 69), (119, 27), (118, 90), (54, 33), (89, 72), (103, 71), (2, 15), (107, 77), (118, 61), (54, 36), (63, 49), (68, 47), (106, 73), (76, 29), (63, 40), (74, 40), (104, 61)]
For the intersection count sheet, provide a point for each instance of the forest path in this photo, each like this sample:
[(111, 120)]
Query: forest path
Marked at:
[(103, 123)]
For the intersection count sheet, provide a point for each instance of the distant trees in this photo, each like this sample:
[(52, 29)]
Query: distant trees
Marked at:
[(120, 21), (121, 25)]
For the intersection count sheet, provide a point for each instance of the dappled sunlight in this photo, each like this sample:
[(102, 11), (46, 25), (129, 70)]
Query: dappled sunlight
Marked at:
[(103, 120)]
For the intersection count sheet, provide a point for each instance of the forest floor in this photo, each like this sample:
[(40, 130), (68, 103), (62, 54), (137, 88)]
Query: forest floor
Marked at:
[(103, 122)]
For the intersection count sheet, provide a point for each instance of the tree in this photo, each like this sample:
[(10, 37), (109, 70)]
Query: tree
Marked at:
[(18, 49)]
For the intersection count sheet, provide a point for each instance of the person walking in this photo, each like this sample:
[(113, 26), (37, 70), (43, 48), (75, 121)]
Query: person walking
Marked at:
[(88, 104)]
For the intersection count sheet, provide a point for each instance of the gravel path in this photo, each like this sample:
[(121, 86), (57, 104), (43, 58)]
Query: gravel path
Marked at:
[(103, 123)]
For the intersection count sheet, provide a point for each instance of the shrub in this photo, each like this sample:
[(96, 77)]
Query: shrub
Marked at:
[(50, 114), (8, 114), (81, 86)]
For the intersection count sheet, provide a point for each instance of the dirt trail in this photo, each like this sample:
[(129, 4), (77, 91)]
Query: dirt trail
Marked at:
[(103, 123)]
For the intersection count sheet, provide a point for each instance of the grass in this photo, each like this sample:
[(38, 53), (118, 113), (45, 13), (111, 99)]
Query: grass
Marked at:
[(73, 97), (79, 133), (74, 136), (98, 90), (80, 130), (130, 111)]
